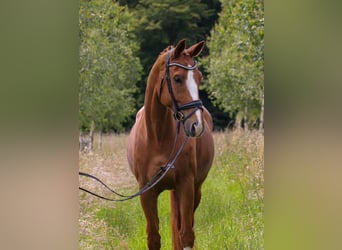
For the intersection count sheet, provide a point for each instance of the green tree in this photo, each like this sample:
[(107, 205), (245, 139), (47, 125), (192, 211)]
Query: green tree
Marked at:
[(109, 68), (164, 22), (235, 65)]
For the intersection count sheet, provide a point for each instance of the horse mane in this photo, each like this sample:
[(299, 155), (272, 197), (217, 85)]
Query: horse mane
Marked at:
[(167, 49), (171, 47)]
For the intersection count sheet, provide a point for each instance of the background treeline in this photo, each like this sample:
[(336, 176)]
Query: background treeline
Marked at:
[(120, 40)]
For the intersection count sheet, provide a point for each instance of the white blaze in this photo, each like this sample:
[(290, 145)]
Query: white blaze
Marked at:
[(187, 248), (193, 90)]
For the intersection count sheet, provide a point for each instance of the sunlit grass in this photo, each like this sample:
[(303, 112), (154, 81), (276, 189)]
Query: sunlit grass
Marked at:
[(230, 215)]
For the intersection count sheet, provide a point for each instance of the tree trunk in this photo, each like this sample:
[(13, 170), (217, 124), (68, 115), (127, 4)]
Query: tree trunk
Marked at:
[(238, 121), (100, 138), (246, 116), (91, 135)]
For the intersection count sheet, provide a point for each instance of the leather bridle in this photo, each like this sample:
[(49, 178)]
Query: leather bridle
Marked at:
[(177, 109)]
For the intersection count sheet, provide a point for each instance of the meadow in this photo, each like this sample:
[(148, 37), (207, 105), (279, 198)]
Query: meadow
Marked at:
[(230, 215)]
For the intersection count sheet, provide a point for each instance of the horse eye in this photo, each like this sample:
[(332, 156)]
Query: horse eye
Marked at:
[(177, 79)]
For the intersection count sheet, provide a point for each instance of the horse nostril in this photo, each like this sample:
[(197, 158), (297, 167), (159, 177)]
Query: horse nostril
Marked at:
[(193, 129)]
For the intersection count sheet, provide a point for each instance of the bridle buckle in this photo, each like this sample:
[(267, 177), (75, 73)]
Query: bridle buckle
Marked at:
[(179, 116)]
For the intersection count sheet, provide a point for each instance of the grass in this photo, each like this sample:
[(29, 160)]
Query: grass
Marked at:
[(230, 215)]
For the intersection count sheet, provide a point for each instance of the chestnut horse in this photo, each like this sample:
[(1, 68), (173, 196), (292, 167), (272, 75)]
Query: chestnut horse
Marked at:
[(170, 115)]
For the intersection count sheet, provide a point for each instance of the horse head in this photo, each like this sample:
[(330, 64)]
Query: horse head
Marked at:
[(183, 78)]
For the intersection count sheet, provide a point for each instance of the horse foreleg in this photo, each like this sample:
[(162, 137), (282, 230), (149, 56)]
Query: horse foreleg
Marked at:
[(186, 196), (149, 203), (175, 221)]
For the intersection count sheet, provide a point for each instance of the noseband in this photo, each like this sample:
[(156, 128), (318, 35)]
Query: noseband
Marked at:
[(197, 104)]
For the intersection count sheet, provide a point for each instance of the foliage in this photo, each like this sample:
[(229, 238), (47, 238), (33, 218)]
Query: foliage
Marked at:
[(112, 82), (109, 68), (164, 22), (235, 65)]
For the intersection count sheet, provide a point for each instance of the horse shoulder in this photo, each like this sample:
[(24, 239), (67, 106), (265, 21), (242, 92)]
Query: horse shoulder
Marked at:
[(132, 138)]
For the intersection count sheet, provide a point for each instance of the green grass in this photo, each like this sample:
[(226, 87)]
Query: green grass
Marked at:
[(230, 215)]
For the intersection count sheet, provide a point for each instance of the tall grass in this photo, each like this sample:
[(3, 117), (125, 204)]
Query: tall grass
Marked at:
[(232, 203), (230, 215)]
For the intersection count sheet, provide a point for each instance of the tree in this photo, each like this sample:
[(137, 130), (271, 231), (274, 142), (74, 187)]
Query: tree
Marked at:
[(164, 22), (109, 68), (235, 65)]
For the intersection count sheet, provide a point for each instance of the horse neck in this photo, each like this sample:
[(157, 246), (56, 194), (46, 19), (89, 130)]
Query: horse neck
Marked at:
[(158, 118)]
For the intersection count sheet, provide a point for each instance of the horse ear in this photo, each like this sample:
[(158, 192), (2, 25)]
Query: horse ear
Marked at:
[(179, 48), (196, 49)]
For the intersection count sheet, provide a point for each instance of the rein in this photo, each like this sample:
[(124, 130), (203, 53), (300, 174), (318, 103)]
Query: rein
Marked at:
[(179, 116), (154, 180)]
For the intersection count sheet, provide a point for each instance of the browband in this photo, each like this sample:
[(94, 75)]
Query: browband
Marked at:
[(183, 66)]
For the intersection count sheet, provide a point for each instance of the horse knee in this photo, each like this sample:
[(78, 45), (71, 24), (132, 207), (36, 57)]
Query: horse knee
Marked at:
[(153, 241)]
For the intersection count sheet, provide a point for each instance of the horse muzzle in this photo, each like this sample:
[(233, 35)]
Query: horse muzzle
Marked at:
[(194, 127)]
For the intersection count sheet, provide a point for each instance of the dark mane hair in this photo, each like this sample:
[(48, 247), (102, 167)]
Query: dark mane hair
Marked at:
[(168, 48)]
